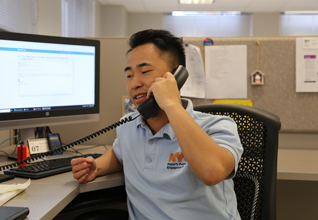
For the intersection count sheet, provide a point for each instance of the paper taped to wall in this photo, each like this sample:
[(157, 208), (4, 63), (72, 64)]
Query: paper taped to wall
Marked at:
[(226, 72), (307, 64)]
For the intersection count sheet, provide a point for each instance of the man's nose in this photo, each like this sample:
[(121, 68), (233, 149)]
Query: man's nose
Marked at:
[(136, 82)]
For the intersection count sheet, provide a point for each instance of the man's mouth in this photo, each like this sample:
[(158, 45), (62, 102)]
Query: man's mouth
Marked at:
[(140, 98)]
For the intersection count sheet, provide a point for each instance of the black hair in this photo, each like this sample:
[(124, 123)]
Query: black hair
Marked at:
[(167, 43)]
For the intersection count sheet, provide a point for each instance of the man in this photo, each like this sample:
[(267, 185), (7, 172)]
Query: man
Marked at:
[(179, 163)]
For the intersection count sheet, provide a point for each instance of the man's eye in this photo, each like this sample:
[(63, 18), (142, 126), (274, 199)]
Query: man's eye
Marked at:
[(129, 76), (146, 71)]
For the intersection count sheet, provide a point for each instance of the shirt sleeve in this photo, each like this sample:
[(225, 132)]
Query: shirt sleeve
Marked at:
[(121, 136), (224, 132), (117, 150)]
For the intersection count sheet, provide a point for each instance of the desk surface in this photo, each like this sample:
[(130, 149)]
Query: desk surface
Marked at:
[(296, 164), (46, 197)]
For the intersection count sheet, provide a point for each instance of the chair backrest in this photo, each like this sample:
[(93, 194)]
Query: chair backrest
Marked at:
[(255, 181)]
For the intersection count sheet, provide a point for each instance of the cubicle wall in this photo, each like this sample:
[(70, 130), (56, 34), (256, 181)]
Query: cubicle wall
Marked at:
[(298, 111)]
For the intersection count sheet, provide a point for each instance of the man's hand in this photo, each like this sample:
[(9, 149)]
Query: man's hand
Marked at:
[(84, 169), (165, 90)]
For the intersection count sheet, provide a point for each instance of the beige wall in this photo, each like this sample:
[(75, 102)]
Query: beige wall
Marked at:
[(4, 135), (114, 21), (49, 17), (265, 24), (98, 19), (142, 21)]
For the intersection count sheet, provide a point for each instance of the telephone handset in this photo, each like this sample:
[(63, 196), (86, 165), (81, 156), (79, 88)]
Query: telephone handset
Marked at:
[(147, 109), (150, 107)]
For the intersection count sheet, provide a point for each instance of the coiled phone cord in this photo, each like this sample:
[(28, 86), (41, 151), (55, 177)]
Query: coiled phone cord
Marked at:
[(72, 144)]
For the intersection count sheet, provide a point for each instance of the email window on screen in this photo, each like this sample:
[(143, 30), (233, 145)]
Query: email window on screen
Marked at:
[(43, 74)]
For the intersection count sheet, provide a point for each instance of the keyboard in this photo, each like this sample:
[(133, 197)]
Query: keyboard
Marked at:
[(46, 168)]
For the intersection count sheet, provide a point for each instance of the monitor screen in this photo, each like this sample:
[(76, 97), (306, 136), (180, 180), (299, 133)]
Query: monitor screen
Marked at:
[(46, 80)]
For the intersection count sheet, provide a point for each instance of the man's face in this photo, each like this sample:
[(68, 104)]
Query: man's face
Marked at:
[(143, 66)]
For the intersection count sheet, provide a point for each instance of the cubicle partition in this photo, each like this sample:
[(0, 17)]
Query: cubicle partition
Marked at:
[(277, 60)]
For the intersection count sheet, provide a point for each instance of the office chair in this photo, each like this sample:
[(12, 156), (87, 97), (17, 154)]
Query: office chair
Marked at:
[(255, 180)]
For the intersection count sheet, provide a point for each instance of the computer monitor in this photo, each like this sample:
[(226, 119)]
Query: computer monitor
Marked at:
[(47, 80)]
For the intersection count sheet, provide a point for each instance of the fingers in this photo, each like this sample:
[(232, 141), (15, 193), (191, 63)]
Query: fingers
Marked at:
[(89, 159), (81, 175), (76, 161), (149, 92), (82, 179), (84, 176), (80, 164), (81, 168), (166, 76), (81, 160), (164, 88)]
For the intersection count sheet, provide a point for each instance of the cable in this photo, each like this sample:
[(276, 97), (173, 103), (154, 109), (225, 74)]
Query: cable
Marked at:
[(72, 144), (99, 145), (75, 150), (48, 130), (16, 146), (9, 139), (6, 154)]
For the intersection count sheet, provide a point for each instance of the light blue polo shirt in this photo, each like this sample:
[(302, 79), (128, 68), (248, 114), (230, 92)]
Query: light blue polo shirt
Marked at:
[(159, 181)]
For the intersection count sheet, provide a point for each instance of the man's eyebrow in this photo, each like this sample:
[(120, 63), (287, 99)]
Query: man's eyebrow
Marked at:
[(143, 64), (138, 66), (127, 68)]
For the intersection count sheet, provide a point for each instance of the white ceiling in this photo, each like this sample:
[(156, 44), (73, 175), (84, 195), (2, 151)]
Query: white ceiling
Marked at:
[(167, 6)]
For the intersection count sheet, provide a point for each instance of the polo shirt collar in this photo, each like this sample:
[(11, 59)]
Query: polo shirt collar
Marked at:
[(167, 129)]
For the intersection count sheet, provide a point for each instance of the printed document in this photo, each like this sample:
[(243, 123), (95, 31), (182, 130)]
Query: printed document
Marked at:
[(307, 64), (195, 84), (226, 72)]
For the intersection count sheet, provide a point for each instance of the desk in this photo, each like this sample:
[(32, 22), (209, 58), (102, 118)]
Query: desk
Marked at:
[(297, 164), (46, 197)]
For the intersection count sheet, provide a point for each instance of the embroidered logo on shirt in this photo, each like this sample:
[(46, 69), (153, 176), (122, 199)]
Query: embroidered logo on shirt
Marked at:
[(176, 161)]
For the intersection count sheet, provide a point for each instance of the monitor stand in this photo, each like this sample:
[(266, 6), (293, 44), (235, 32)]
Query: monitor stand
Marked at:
[(25, 134)]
